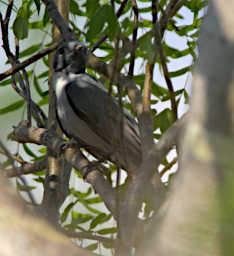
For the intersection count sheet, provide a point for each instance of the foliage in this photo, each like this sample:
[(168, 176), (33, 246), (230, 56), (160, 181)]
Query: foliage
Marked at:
[(82, 213)]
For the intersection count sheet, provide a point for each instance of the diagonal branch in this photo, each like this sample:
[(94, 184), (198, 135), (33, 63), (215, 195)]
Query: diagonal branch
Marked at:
[(28, 61)]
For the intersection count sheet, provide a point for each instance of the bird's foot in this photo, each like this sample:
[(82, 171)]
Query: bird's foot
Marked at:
[(71, 143), (93, 166)]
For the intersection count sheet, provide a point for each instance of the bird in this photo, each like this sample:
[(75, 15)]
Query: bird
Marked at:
[(87, 113)]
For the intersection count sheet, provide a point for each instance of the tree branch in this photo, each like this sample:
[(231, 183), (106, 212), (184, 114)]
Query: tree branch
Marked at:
[(59, 21), (26, 168), (134, 38), (24, 134), (136, 189), (29, 61), (25, 89), (158, 39)]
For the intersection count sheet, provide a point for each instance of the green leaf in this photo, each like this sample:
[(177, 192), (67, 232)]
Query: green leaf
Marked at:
[(40, 180), (21, 187), (36, 25), (173, 52), (94, 200), (44, 74), (45, 60), (80, 195), (146, 46), (43, 150), (14, 106), (176, 93), (74, 8), (91, 209), (101, 218), (91, 7), (106, 231), (38, 5), (96, 24), (38, 88), (159, 91), (30, 50), (144, 10), (163, 120), (46, 18), (24, 11), (5, 82), (107, 245), (20, 28), (66, 211), (180, 72), (78, 218), (92, 247), (29, 151), (112, 22), (44, 101), (186, 97), (40, 173)]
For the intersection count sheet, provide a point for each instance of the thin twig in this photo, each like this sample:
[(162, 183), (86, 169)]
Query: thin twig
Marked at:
[(168, 166), (8, 12), (29, 61), (177, 6), (158, 39), (37, 111), (16, 158), (112, 4), (167, 15), (134, 38), (27, 189), (28, 97), (12, 161), (14, 61)]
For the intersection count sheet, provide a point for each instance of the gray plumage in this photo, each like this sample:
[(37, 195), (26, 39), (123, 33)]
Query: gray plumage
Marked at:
[(87, 113)]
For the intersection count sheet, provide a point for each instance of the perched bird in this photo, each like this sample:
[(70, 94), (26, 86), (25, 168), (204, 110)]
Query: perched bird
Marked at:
[(87, 113)]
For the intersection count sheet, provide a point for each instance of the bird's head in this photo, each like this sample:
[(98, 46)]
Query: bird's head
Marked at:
[(70, 57)]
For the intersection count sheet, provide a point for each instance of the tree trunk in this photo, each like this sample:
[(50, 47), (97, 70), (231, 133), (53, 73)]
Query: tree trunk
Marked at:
[(198, 217)]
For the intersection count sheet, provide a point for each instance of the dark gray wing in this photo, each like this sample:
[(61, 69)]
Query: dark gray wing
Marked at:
[(92, 103)]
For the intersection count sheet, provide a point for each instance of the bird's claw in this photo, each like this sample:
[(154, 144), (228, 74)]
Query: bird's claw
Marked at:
[(91, 167)]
